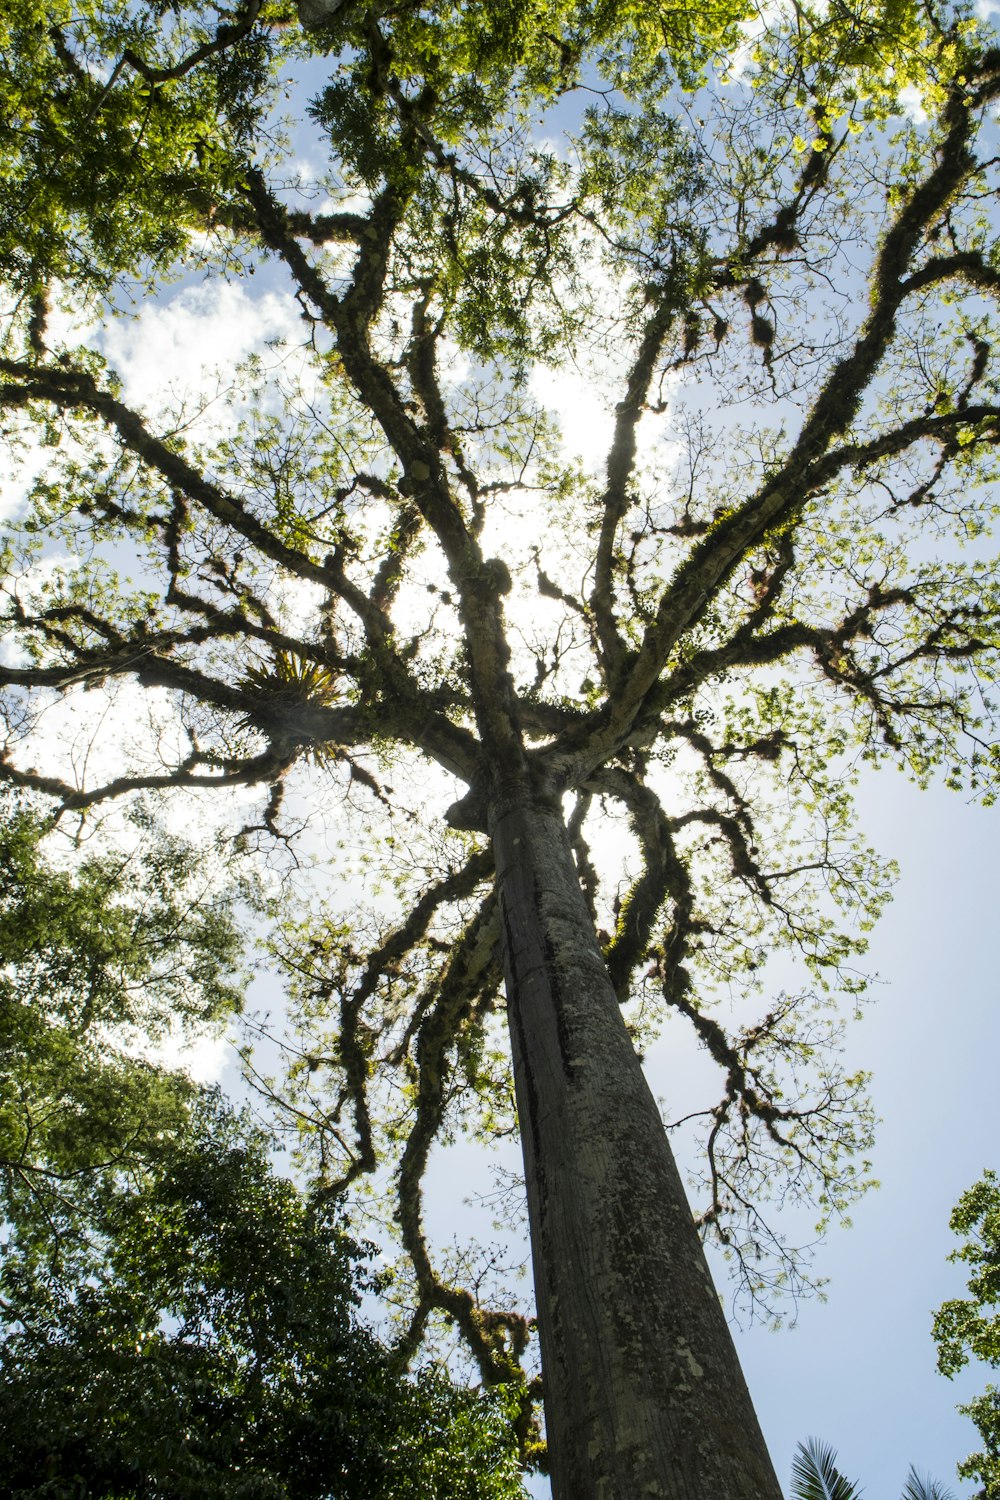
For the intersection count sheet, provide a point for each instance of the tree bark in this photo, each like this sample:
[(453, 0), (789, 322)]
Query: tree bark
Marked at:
[(644, 1395)]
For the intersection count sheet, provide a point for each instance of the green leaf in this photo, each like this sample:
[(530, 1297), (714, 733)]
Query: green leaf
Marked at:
[(815, 1475), (919, 1488)]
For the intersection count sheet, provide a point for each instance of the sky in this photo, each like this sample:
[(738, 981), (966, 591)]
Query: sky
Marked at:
[(857, 1369)]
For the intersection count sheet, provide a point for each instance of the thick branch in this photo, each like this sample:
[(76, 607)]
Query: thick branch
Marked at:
[(621, 461), (354, 1054), (809, 463)]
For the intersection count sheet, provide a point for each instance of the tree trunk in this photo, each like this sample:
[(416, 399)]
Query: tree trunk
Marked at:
[(644, 1395)]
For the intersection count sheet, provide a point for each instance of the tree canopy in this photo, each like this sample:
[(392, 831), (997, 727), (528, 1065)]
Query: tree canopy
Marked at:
[(375, 579)]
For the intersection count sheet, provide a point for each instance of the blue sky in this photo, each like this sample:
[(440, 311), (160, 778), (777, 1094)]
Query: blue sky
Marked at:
[(859, 1370)]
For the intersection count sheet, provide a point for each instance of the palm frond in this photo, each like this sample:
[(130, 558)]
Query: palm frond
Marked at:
[(917, 1488), (815, 1475)]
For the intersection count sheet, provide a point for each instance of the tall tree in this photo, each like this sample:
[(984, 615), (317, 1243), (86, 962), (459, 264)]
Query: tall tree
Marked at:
[(383, 558)]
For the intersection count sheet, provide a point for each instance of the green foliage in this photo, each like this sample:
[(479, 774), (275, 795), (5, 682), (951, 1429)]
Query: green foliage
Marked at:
[(920, 1488), (107, 139), (213, 1349), (177, 1319), (124, 128), (815, 1475), (137, 935), (969, 1328), (103, 959), (836, 57)]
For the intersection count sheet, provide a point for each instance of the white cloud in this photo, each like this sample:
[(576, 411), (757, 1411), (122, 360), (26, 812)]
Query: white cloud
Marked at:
[(204, 1060), (172, 347), (15, 484), (585, 416), (911, 102)]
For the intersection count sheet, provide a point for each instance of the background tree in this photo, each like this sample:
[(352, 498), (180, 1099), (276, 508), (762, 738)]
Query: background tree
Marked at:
[(204, 1340), (969, 1327), (105, 958), (642, 692)]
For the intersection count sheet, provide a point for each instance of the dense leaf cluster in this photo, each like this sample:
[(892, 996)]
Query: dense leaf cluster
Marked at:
[(102, 959), (213, 1348)]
